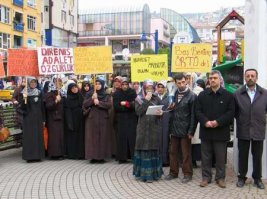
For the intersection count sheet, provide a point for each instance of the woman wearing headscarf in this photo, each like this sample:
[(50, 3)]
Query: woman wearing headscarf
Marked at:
[(124, 106), (74, 123), (86, 88), (97, 126), (33, 122), (147, 157), (55, 122)]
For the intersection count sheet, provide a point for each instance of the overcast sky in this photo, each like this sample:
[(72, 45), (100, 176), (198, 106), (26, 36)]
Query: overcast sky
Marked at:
[(180, 6)]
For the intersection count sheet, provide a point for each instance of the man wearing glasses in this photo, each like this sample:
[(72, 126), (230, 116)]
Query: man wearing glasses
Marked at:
[(215, 110)]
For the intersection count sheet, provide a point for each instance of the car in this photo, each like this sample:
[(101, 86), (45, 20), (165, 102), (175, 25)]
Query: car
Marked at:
[(7, 93)]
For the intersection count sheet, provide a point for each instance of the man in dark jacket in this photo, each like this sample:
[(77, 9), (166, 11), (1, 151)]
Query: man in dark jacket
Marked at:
[(215, 111), (182, 129), (251, 106)]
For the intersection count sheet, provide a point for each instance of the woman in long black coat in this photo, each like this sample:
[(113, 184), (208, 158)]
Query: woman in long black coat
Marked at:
[(74, 123), (98, 144), (33, 122), (55, 122), (124, 106)]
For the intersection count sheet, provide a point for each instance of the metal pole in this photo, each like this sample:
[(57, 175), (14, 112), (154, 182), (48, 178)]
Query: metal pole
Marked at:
[(156, 42)]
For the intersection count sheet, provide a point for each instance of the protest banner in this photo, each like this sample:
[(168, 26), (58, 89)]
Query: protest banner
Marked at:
[(52, 60), (192, 58), (93, 60), (22, 62), (2, 70), (153, 67)]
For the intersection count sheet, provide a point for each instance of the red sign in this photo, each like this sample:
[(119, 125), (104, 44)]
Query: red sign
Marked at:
[(2, 71), (22, 62)]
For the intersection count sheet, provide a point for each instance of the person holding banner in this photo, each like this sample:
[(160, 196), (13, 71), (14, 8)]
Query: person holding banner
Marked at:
[(97, 125), (147, 164), (17, 98), (55, 122), (123, 102), (74, 123), (33, 122)]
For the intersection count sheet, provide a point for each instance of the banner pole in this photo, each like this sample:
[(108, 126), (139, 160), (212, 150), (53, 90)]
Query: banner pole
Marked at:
[(26, 88)]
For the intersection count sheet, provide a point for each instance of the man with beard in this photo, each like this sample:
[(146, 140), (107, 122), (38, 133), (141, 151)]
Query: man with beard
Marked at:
[(215, 111), (182, 129), (124, 105), (251, 106)]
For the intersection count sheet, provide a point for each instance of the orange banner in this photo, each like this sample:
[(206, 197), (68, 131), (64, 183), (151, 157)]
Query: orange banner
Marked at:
[(22, 62), (2, 70)]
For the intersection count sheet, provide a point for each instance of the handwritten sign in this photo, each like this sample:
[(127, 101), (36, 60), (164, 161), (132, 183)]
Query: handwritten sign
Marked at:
[(93, 60), (192, 58), (55, 60), (2, 70), (153, 67), (22, 62)]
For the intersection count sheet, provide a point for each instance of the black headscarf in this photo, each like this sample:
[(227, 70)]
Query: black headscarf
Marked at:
[(101, 94), (73, 100)]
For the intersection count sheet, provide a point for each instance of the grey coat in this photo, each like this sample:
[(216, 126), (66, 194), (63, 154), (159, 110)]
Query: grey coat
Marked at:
[(251, 117), (149, 128)]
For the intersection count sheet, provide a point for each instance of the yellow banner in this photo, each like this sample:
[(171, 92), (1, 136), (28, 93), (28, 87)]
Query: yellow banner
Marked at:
[(93, 60), (191, 58), (153, 67)]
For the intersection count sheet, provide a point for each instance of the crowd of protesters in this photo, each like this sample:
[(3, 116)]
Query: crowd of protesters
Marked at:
[(97, 122)]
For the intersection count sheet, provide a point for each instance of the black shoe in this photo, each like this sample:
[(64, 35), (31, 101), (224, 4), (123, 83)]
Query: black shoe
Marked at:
[(93, 161), (165, 165), (123, 161), (101, 161), (186, 179), (170, 177), (259, 184), (240, 183)]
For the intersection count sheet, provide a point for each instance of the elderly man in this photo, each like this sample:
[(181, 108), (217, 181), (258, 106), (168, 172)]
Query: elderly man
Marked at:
[(215, 111), (251, 106)]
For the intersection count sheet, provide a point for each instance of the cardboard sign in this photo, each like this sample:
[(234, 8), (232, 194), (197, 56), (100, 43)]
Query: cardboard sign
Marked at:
[(2, 70), (55, 60), (22, 62), (93, 60), (192, 58), (153, 67)]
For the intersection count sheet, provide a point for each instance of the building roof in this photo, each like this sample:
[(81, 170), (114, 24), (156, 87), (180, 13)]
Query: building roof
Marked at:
[(118, 9)]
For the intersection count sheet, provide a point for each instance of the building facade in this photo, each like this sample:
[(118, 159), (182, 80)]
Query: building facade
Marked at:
[(20, 24), (179, 25), (60, 22)]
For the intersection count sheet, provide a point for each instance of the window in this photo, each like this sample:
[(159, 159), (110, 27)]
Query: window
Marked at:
[(32, 3), (63, 16), (4, 41), (46, 8), (72, 20), (4, 14), (31, 23)]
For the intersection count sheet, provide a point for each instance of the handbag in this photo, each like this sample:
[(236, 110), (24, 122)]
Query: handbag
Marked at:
[(45, 137)]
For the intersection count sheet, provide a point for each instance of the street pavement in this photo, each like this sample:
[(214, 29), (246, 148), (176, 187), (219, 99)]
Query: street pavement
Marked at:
[(79, 179)]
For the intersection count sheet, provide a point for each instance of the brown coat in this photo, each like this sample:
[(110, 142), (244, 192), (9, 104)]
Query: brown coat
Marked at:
[(55, 125), (98, 129)]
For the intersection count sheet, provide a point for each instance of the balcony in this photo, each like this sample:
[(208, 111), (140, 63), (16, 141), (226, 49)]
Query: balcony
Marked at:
[(18, 3), (19, 27)]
